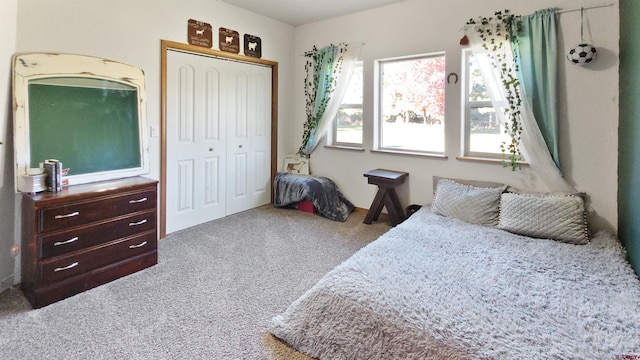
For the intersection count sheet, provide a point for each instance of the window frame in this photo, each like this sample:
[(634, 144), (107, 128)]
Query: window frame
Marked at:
[(333, 139), (466, 106), (379, 103)]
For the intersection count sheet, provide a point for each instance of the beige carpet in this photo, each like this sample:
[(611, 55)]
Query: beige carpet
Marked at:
[(211, 296)]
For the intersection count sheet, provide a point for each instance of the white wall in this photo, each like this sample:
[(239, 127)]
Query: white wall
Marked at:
[(8, 19), (130, 31), (588, 101)]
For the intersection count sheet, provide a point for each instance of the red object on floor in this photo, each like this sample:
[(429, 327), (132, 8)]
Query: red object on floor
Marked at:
[(306, 205)]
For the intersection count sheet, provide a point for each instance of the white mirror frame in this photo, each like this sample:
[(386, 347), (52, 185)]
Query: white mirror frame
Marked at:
[(33, 66)]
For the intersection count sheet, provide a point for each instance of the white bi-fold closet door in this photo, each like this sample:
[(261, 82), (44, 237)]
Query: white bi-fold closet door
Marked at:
[(218, 138)]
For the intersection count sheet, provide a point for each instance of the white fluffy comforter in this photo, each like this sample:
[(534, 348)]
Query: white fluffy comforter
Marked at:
[(436, 287)]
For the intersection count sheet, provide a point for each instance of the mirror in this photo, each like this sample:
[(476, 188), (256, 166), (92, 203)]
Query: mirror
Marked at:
[(88, 113)]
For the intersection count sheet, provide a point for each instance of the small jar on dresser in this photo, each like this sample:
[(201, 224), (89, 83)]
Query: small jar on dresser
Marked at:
[(85, 236)]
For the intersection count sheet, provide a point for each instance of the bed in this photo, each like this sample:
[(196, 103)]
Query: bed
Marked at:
[(482, 273)]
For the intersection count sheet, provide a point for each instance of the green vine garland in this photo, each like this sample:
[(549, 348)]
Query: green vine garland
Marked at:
[(507, 27), (312, 81)]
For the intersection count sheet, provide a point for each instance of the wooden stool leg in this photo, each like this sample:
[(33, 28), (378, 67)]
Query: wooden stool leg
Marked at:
[(394, 207), (376, 206)]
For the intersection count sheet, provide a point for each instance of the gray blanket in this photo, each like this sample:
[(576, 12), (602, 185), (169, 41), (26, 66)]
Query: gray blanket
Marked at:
[(438, 288), (291, 188)]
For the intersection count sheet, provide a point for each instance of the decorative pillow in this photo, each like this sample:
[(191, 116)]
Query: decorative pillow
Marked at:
[(546, 216), (475, 183), (468, 203)]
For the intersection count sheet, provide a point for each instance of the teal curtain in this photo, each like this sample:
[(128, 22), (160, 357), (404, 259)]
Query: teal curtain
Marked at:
[(322, 66), (536, 51)]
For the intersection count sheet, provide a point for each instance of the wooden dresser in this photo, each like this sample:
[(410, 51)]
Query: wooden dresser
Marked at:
[(85, 236)]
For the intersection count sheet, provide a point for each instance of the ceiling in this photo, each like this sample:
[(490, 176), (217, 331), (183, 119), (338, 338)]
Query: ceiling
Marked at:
[(300, 12)]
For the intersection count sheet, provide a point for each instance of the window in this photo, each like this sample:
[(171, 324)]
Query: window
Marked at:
[(483, 132), (347, 126), (411, 104)]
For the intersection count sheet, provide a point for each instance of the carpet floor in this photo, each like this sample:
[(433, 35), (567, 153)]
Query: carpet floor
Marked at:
[(211, 296)]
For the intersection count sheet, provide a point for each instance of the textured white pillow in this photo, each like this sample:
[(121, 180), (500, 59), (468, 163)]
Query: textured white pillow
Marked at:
[(556, 217), (474, 183), (468, 203)]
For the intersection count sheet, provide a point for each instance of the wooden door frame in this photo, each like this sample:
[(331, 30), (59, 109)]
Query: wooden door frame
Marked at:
[(166, 46)]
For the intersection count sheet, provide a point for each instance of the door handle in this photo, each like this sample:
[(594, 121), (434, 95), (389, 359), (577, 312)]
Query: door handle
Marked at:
[(66, 267), (138, 246), (73, 239), (75, 213), (138, 223)]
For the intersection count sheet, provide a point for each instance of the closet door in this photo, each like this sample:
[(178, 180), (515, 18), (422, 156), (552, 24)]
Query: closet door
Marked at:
[(218, 138), (248, 120)]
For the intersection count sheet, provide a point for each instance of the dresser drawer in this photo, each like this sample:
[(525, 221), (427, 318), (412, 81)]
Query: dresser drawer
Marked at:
[(83, 237), (92, 210), (80, 262)]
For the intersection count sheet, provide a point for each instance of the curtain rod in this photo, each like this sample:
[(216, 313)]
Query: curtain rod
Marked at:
[(576, 9), (585, 8), (349, 43)]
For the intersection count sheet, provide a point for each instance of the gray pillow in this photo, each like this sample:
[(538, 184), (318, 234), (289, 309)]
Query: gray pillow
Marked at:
[(476, 205), (546, 216), (476, 183)]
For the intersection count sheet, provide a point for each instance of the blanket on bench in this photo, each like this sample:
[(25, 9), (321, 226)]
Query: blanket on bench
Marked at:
[(291, 188)]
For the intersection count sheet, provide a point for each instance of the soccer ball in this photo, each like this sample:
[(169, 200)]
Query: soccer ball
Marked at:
[(582, 54)]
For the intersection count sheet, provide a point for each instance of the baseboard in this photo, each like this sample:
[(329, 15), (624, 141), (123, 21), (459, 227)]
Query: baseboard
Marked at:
[(7, 283)]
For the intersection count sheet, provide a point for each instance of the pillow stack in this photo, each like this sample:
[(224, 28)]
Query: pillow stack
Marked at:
[(558, 217)]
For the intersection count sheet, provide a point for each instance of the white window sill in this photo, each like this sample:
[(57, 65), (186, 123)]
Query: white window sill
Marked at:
[(410, 153), (487, 160), (344, 147)]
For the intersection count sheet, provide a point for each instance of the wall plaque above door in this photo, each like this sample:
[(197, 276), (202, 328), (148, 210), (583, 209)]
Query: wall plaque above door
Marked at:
[(252, 46), (199, 33), (229, 40)]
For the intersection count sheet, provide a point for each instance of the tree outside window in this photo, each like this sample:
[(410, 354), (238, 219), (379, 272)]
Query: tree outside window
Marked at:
[(411, 104)]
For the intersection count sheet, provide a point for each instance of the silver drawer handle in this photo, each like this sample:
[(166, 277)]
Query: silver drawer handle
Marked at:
[(138, 223), (138, 201), (66, 267), (75, 213), (58, 243), (138, 246)]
